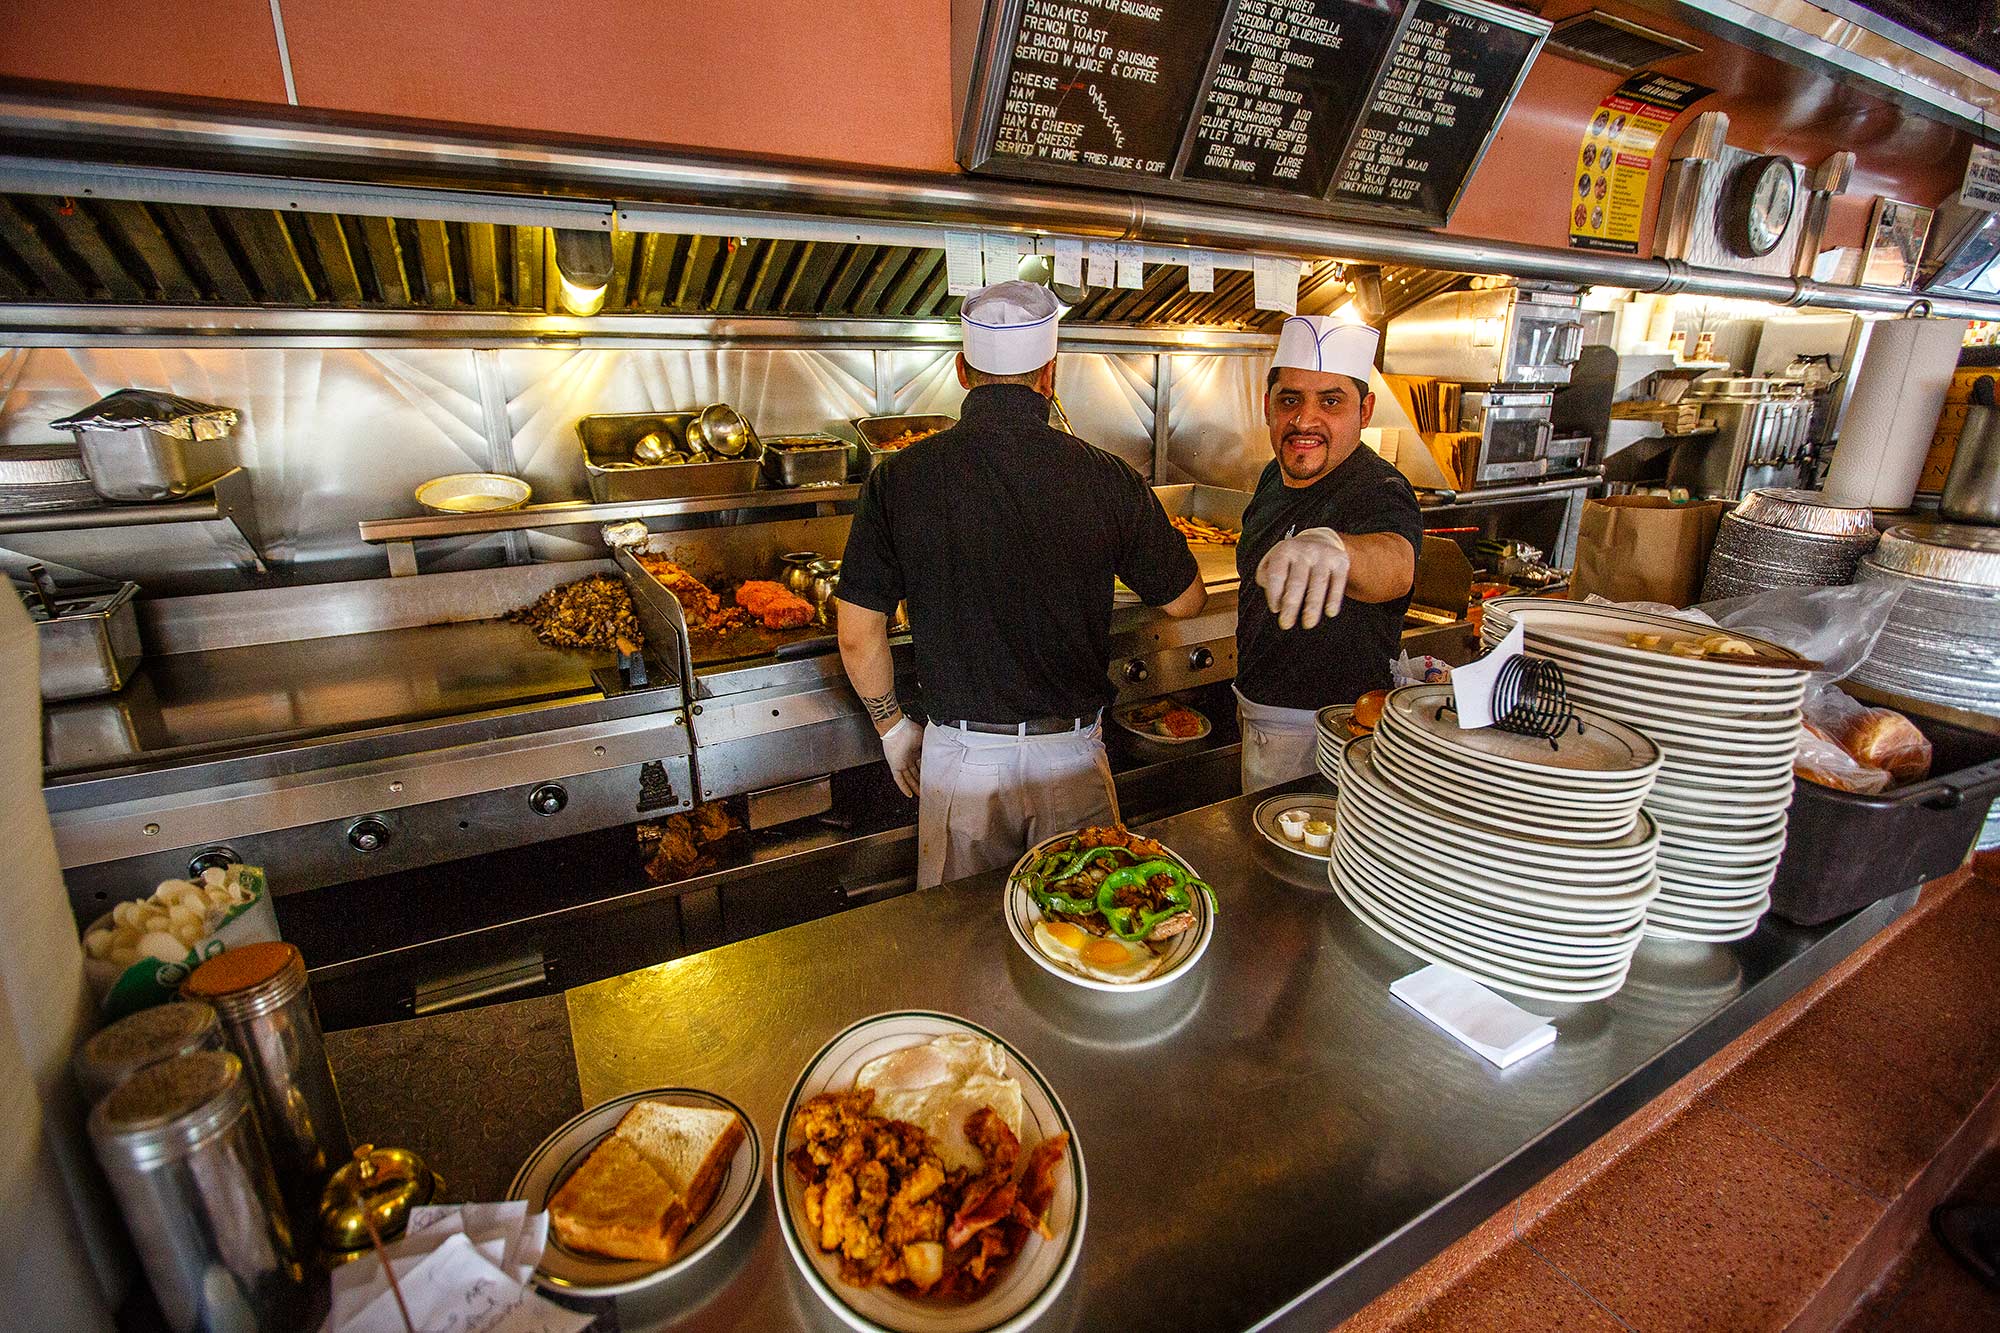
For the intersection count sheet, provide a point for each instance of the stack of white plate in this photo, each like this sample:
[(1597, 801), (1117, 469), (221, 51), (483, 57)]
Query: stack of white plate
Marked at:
[(1729, 732), (1528, 867), (1333, 734)]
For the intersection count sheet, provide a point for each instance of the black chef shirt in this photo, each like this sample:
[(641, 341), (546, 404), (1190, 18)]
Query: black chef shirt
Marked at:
[(1004, 535), (1338, 660)]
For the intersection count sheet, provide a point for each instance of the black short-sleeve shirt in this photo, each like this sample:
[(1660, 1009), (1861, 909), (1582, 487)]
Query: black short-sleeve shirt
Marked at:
[(1004, 535), (1338, 660)]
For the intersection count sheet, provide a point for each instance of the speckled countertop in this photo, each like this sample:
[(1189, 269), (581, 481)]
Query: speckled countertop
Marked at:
[(471, 1093)]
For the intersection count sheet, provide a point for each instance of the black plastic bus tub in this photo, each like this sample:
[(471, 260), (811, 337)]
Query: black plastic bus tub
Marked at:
[(1844, 851)]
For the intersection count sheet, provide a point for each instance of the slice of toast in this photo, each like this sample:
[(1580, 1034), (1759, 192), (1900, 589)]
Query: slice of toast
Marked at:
[(689, 1146), (616, 1204)]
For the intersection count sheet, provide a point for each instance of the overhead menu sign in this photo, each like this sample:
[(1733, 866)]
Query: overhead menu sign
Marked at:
[(1374, 108), (1291, 80), (1104, 84), (1435, 107)]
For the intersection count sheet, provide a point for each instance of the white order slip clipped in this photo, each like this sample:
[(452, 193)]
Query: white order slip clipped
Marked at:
[(1500, 1031)]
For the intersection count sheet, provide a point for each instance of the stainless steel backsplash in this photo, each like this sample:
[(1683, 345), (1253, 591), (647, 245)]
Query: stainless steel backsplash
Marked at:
[(332, 436)]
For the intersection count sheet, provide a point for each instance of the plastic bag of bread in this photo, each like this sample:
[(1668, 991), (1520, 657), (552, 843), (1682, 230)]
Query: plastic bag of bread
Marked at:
[(1874, 737), (1821, 760)]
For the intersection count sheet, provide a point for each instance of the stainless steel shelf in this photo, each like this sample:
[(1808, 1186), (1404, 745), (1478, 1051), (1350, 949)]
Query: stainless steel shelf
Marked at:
[(400, 534), (224, 500), (575, 513)]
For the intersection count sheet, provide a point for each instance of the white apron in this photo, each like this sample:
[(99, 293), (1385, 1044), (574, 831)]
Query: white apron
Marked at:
[(986, 799), (1279, 744)]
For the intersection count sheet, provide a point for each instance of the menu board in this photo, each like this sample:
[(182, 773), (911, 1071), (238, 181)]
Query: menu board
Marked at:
[(1104, 84), (1438, 101), (1292, 79), (1365, 108)]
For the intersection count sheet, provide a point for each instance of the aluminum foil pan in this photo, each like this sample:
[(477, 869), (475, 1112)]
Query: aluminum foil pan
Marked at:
[(149, 409), (1947, 552), (1750, 557), (1806, 511), (1942, 641)]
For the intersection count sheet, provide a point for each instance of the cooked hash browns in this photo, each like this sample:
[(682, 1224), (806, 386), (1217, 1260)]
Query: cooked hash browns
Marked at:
[(878, 1195)]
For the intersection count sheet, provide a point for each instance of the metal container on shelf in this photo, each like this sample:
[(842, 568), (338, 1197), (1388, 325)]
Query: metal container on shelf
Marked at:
[(182, 1151), (805, 460), (614, 474), (875, 432), (1761, 439), (141, 445), (90, 642)]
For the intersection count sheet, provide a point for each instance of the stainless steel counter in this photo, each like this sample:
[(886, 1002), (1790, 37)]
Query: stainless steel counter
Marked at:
[(1272, 1141)]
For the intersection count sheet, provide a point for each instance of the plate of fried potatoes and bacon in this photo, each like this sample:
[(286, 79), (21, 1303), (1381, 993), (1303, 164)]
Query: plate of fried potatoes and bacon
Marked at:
[(928, 1180)]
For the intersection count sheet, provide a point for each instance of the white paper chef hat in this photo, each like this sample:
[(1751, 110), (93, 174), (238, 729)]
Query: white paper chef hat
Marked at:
[(1317, 342), (1009, 328)]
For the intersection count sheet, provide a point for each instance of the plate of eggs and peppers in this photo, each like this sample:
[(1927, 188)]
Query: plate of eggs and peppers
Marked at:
[(1109, 910)]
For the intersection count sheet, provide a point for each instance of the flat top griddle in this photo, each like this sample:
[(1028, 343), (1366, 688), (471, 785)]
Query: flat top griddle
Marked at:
[(228, 700)]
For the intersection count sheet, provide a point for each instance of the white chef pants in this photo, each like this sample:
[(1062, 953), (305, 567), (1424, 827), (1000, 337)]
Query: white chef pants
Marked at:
[(986, 799), (1279, 744)]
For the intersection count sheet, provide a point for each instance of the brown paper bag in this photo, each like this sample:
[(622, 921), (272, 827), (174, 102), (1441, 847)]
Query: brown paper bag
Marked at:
[(1645, 548)]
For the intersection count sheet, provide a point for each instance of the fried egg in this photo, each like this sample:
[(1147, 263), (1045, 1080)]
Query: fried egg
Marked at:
[(1101, 957), (936, 1084)]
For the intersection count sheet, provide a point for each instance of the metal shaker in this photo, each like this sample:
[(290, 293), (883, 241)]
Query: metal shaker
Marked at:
[(181, 1149), (259, 991), (1972, 487), (145, 1038)]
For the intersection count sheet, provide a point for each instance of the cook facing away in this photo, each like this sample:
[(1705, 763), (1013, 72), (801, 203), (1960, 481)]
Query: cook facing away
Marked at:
[(1004, 536), (1331, 538)]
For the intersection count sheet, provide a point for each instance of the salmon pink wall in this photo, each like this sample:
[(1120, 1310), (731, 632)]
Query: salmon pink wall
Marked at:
[(866, 82), (211, 48)]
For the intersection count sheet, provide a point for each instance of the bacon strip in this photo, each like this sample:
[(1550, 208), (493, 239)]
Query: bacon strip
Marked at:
[(981, 1210)]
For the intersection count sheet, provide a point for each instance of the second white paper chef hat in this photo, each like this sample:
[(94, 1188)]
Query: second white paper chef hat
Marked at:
[(1009, 328), (1318, 342)]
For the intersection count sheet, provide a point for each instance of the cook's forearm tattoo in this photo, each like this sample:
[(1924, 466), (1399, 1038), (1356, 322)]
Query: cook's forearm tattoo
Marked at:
[(881, 707)]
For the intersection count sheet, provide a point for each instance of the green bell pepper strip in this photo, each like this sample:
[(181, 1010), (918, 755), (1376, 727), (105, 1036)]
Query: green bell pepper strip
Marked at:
[(1067, 867), (1050, 901), (1129, 924)]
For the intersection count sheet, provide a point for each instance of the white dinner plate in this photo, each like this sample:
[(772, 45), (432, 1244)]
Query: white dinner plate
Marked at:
[(1494, 974), (1123, 718), (1519, 895), (1265, 817), (1602, 747), (1606, 627), (1459, 845), (1182, 952), (1391, 826), (1548, 784), (1031, 1283), (577, 1273), (1358, 764), (1387, 910), (1463, 895), (1656, 930), (1506, 937), (1471, 806)]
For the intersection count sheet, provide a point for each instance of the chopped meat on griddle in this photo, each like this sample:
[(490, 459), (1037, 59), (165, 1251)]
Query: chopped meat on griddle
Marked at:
[(590, 613)]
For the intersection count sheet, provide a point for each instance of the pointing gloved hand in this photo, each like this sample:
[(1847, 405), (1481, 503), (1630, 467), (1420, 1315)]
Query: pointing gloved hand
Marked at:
[(903, 746), (1304, 577)]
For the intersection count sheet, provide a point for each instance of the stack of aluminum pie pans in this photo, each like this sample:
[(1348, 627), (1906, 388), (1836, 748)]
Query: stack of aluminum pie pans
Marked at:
[(1786, 538), (1942, 642)]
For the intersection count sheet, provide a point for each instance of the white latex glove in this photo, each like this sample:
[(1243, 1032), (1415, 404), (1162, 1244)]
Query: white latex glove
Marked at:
[(903, 746), (1304, 577)]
